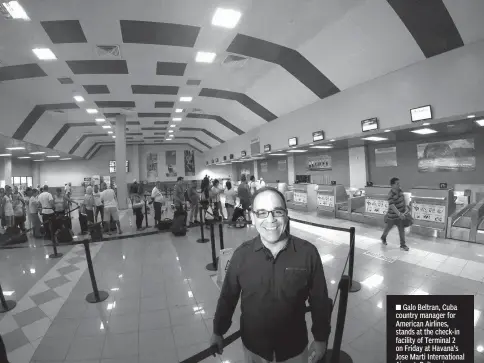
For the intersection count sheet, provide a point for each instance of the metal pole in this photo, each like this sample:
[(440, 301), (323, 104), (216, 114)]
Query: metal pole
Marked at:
[(212, 266), (202, 239), (146, 214), (221, 235), (354, 285), (95, 296), (6, 305)]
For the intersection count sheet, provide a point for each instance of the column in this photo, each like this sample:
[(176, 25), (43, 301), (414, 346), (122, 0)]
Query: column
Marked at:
[(291, 170), (135, 163), (120, 154), (256, 170), (7, 172), (35, 174), (234, 174), (358, 167)]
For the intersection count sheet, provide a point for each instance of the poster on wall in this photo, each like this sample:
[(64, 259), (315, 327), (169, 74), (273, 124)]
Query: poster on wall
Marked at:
[(451, 155), (189, 161), (386, 157), (170, 157), (281, 165), (152, 167), (319, 163), (263, 167)]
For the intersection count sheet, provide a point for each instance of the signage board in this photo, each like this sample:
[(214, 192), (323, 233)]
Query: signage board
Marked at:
[(231, 156), (443, 185), (369, 124), (376, 206), (225, 158), (318, 135), (325, 200), (267, 148), (112, 166), (301, 198), (428, 212), (293, 141), (421, 113)]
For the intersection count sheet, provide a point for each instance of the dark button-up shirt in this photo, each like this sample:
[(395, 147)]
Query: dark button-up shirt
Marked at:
[(274, 294)]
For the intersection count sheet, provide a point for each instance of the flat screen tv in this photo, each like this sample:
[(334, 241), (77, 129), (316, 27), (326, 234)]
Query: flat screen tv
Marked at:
[(369, 124), (318, 135), (293, 141), (421, 113)]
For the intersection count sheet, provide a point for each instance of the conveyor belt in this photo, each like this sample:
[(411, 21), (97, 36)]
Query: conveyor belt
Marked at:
[(464, 221)]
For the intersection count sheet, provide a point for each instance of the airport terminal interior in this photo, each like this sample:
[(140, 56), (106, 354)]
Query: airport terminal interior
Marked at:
[(325, 100)]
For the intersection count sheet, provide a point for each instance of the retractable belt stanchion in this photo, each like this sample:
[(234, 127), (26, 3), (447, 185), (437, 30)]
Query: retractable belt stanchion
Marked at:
[(202, 238), (146, 214), (221, 235), (6, 305), (213, 265), (354, 285), (54, 242), (96, 296)]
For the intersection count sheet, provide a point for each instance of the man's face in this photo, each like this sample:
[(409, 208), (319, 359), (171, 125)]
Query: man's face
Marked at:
[(271, 229), (396, 185)]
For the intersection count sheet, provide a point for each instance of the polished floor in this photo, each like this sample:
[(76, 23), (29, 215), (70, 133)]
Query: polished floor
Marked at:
[(162, 298)]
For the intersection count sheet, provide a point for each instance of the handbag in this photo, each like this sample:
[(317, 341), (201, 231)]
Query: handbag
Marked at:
[(408, 221)]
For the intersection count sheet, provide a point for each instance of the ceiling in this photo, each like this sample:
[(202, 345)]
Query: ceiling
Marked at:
[(298, 52)]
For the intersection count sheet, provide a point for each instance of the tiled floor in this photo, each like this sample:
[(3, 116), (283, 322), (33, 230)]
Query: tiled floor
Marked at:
[(162, 299)]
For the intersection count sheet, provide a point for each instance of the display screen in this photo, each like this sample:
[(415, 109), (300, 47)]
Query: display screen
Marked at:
[(243, 153), (267, 148), (112, 166), (370, 124), (231, 156), (225, 158), (318, 136), (216, 160), (421, 113), (293, 141)]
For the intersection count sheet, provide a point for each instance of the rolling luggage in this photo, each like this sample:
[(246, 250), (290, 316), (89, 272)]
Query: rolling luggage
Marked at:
[(165, 224), (178, 228), (83, 223), (64, 234), (238, 218), (14, 235)]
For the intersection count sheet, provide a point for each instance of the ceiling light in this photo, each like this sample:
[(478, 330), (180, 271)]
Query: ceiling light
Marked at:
[(106, 126), (279, 154), (44, 54), (100, 120), (91, 111), (480, 122), (114, 137), (15, 10), (79, 98), (226, 18), (53, 156), (177, 119), (186, 99), (8, 293), (37, 152), (426, 124), (15, 148), (173, 126), (110, 132), (205, 57), (170, 131), (388, 130), (65, 159), (179, 110), (5, 154), (23, 157), (38, 160), (295, 151), (424, 131), (332, 140), (471, 116), (419, 292), (374, 138), (322, 147)]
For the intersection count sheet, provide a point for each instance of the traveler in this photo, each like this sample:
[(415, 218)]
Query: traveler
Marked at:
[(18, 211), (138, 211), (89, 204), (262, 183), (397, 213), (133, 190), (230, 197), (7, 207), (98, 205), (47, 202), (34, 214), (157, 198), (275, 273), (179, 194), (2, 214), (108, 197), (215, 197), (252, 185), (245, 198), (194, 200)]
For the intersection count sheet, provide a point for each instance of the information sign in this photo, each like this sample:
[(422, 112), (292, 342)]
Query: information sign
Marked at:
[(325, 200), (300, 197), (428, 212), (377, 206)]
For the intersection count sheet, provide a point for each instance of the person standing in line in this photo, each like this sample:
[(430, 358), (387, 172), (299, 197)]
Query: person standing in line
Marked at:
[(245, 198), (8, 211), (89, 204), (47, 202), (215, 197), (230, 197), (275, 273), (2, 213), (98, 205), (397, 213), (157, 198), (133, 190), (179, 194), (34, 214), (18, 211), (108, 197), (252, 185), (138, 211), (194, 200)]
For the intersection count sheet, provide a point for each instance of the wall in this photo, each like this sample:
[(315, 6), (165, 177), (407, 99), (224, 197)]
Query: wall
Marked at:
[(358, 166), (340, 167), (407, 166), (453, 83), (273, 173), (249, 165), (19, 168), (217, 171)]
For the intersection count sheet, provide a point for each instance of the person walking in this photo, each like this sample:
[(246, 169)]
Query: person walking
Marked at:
[(397, 213), (275, 273), (157, 198)]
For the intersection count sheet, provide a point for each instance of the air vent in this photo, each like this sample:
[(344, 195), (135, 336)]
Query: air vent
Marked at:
[(57, 111), (197, 110), (194, 82), (65, 80), (234, 61), (108, 51)]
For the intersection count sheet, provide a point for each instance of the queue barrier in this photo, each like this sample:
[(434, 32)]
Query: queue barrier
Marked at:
[(213, 266)]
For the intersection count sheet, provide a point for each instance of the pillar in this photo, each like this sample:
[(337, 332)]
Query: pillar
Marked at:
[(256, 170), (35, 174), (7, 172), (120, 154), (291, 170), (135, 163), (234, 174), (358, 166)]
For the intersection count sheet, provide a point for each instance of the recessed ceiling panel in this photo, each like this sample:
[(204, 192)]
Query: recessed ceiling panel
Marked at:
[(64, 31), (153, 114), (161, 122), (96, 89), (163, 104), (154, 90), (153, 128), (115, 104), (170, 69), (22, 71), (105, 66)]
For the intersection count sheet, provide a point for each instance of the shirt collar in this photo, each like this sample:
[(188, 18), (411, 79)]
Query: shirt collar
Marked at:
[(258, 245)]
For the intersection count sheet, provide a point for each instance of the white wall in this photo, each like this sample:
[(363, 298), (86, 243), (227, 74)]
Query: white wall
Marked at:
[(358, 167), (19, 168), (453, 83)]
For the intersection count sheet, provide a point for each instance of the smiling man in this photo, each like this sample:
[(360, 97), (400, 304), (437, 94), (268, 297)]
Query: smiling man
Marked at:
[(275, 273)]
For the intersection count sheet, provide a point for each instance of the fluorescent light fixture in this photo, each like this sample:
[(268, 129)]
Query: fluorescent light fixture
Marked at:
[(424, 131), (15, 148), (37, 152), (110, 132), (419, 292), (477, 315), (388, 130), (65, 159), (226, 18), (480, 348), (332, 140), (173, 126), (106, 126), (79, 98), (426, 124), (186, 99), (177, 119), (44, 54), (205, 57), (15, 10), (480, 122), (8, 293), (115, 289), (296, 151), (100, 120), (179, 110), (39, 160), (91, 111), (53, 156), (114, 137), (32, 271), (279, 154), (5, 154), (374, 138), (23, 157), (170, 131), (471, 116), (322, 147)]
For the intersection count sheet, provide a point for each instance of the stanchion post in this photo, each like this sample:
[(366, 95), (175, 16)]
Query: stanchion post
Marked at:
[(96, 296), (213, 265), (221, 235), (146, 214), (54, 242), (6, 305), (202, 238), (354, 285)]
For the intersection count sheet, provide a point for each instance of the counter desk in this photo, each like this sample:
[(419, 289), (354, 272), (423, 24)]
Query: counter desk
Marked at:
[(330, 198), (302, 197)]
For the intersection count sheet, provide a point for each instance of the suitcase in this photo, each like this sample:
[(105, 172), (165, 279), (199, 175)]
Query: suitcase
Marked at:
[(96, 232), (83, 223), (239, 218), (165, 224), (178, 228), (14, 235), (64, 235)]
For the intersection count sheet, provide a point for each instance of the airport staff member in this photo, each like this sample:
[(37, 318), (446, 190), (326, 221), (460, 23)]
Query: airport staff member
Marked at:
[(275, 273)]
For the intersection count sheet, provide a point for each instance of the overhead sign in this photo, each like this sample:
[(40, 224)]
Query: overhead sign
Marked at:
[(421, 113), (369, 124), (231, 156), (318, 135), (267, 148), (216, 160), (293, 141), (243, 153), (112, 166), (225, 158), (255, 146)]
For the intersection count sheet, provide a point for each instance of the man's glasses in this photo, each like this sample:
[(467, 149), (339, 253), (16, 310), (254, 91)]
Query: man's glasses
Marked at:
[(261, 214)]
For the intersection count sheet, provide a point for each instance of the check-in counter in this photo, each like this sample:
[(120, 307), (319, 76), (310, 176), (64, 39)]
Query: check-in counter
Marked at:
[(431, 209), (330, 198), (374, 208), (302, 197)]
